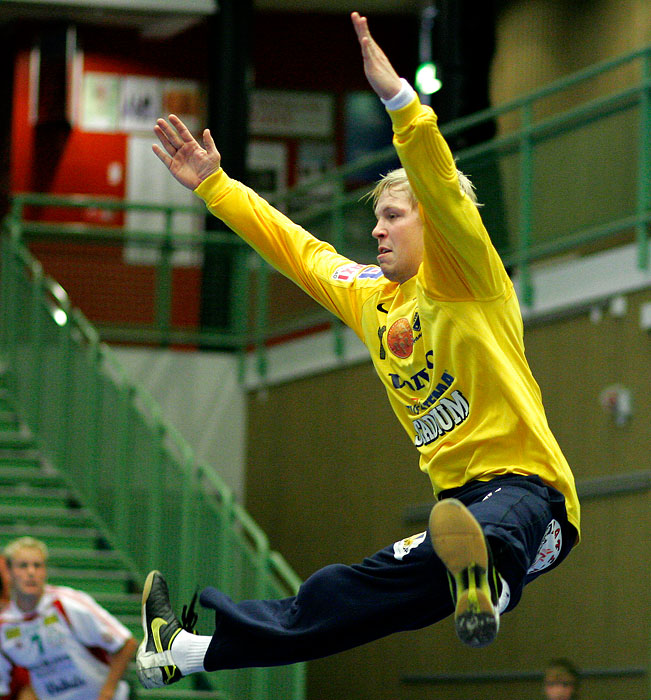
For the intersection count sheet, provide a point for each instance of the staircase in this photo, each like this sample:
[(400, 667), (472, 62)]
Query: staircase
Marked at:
[(36, 501)]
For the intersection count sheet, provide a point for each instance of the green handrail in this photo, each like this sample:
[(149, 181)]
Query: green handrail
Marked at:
[(254, 318), (150, 496)]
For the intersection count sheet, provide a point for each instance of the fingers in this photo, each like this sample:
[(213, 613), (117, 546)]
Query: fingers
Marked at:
[(167, 134), (163, 138), (208, 142), (162, 156), (361, 26), (181, 128)]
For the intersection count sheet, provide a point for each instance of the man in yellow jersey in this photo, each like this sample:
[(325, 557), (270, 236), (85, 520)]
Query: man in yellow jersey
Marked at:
[(442, 324)]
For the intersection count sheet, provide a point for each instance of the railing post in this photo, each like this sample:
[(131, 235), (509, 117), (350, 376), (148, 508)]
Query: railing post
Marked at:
[(644, 165), (155, 504), (67, 392), (34, 401), (123, 470), (96, 391), (526, 201), (262, 317), (164, 282), (188, 540), (8, 300), (239, 304)]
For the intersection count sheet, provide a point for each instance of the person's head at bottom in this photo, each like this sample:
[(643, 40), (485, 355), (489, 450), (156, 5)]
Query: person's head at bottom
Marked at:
[(561, 680)]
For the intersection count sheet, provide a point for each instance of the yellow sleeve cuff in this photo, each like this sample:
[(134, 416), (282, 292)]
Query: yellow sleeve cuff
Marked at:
[(207, 188), (404, 116)]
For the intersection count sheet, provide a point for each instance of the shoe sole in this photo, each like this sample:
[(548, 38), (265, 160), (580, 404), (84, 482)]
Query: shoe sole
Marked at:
[(145, 594), (459, 542)]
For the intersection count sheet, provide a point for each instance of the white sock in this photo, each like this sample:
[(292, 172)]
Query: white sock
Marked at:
[(188, 652), (505, 597)]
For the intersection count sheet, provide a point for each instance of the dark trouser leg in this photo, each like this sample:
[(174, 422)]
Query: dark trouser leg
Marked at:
[(337, 608), (341, 606)]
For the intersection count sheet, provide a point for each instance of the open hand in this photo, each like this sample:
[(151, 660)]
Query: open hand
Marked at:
[(188, 161), (379, 72)]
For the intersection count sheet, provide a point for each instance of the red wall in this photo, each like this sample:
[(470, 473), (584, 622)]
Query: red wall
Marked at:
[(58, 160)]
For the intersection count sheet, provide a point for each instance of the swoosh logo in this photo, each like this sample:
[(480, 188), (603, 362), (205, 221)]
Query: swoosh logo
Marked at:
[(380, 307), (156, 625)]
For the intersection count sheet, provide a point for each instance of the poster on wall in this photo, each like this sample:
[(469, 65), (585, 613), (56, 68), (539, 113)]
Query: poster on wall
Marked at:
[(183, 98), (141, 103), (100, 102), (112, 103)]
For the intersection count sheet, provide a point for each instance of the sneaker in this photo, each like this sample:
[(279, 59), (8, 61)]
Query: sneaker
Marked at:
[(459, 542), (155, 665)]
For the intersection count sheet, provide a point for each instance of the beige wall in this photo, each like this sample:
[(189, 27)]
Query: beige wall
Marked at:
[(539, 41)]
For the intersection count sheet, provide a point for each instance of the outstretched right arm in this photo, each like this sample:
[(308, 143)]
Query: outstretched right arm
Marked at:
[(188, 161)]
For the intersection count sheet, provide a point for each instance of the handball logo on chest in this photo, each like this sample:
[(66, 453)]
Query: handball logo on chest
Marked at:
[(400, 338)]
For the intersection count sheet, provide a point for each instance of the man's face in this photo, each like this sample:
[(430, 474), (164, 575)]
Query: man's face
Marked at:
[(399, 235), (559, 685), (28, 573)]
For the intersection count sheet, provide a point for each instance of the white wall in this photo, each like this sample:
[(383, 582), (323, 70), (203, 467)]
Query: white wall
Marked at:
[(199, 394)]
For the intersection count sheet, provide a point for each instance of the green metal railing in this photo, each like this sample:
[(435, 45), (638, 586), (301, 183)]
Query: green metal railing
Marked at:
[(161, 507), (556, 179)]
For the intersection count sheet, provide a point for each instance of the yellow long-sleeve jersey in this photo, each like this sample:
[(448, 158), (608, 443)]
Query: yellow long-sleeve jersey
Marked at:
[(448, 343)]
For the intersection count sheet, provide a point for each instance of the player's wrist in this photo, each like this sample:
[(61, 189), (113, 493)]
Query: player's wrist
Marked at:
[(402, 98)]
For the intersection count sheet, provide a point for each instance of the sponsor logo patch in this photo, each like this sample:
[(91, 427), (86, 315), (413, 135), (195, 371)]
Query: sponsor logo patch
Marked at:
[(402, 548), (371, 273), (347, 272), (549, 549), (400, 338)]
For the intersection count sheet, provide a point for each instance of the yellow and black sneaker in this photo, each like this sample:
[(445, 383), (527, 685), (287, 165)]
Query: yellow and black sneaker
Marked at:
[(459, 542), (154, 661)]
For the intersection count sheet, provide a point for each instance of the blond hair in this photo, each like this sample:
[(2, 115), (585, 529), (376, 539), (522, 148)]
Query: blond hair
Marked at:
[(397, 180), (24, 543)]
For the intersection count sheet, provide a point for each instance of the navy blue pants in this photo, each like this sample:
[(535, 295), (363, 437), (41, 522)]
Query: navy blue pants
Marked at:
[(402, 587)]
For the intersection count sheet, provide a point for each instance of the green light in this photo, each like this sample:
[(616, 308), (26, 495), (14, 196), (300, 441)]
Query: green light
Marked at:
[(426, 81)]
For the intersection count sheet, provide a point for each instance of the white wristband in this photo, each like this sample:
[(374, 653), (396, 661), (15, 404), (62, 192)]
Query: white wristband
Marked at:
[(402, 99)]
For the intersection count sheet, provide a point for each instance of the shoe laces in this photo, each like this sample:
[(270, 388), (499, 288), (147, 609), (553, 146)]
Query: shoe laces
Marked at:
[(189, 617)]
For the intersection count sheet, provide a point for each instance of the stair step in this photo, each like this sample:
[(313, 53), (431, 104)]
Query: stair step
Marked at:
[(32, 475), (83, 538), (8, 420), (75, 558), (19, 458), (133, 623), (179, 694), (60, 516), (34, 497), (119, 604), (92, 581), (16, 439)]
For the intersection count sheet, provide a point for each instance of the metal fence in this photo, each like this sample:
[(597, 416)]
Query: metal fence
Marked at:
[(568, 172), (161, 507)]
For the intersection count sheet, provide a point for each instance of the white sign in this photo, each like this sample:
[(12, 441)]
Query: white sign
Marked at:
[(280, 113)]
